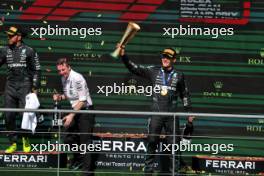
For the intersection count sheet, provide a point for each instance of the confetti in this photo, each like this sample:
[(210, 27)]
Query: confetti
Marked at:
[(1, 23), (99, 15), (25, 1), (7, 13), (45, 22), (48, 70), (20, 8), (12, 7), (102, 43), (88, 45), (90, 73), (49, 48)]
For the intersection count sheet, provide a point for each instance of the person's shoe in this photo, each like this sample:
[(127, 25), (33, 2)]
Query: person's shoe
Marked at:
[(26, 145), (11, 149)]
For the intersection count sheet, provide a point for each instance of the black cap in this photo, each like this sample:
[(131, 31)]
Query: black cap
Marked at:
[(15, 31), (169, 53)]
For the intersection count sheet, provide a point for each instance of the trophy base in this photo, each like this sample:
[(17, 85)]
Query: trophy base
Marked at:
[(115, 54)]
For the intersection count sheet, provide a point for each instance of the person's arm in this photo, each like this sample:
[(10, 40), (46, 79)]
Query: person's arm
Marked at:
[(59, 97), (2, 57), (69, 118), (81, 88), (132, 67), (35, 68), (185, 95), (137, 69)]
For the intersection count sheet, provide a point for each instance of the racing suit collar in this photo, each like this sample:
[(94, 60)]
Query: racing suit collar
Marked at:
[(166, 70), (14, 46)]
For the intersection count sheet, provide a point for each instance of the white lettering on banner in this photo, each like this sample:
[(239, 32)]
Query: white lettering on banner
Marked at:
[(106, 145), (24, 158), (130, 145), (117, 144), (224, 164)]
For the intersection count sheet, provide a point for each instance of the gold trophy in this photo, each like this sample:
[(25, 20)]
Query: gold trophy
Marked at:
[(130, 32)]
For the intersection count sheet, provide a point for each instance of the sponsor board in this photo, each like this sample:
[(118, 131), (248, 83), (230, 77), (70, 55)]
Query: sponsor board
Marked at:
[(32, 160), (119, 158), (229, 165)]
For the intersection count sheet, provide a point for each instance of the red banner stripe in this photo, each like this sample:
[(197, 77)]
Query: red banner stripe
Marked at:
[(143, 8), (46, 3), (94, 5)]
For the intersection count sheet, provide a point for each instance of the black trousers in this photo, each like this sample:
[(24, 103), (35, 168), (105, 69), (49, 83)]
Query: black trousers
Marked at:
[(14, 97), (82, 124), (155, 126)]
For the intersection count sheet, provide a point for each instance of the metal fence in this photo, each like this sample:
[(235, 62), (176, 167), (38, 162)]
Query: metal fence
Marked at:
[(167, 114)]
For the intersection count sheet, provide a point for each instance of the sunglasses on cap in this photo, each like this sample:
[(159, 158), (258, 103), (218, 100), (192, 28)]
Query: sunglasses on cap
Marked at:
[(167, 56)]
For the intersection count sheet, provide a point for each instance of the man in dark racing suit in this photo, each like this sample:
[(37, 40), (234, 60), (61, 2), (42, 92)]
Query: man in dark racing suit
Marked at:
[(23, 77), (173, 85)]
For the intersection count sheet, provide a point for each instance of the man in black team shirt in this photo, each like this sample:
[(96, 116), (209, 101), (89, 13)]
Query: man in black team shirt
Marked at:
[(173, 85), (23, 77)]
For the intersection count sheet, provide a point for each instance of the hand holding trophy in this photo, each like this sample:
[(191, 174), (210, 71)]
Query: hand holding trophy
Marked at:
[(130, 32)]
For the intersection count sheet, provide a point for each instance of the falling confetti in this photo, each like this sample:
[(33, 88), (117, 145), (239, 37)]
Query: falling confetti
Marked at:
[(45, 22), (102, 43), (25, 1), (49, 48), (20, 8), (1, 23), (99, 15), (12, 7), (90, 73), (7, 13), (48, 70), (88, 45)]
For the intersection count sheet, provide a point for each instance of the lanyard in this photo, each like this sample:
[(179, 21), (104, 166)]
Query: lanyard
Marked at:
[(164, 81)]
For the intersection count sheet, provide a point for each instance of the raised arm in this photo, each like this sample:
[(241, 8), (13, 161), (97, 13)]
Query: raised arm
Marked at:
[(137, 69)]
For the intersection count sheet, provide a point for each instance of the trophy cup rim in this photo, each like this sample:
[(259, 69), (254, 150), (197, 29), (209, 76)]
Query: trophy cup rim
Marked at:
[(134, 25)]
